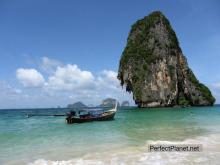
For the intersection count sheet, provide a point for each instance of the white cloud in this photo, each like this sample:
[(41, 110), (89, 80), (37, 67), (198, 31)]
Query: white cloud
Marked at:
[(49, 65), (68, 83), (70, 78), (82, 85), (30, 77), (108, 79)]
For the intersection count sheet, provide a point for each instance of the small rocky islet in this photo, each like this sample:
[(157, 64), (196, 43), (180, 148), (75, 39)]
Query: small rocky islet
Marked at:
[(154, 69)]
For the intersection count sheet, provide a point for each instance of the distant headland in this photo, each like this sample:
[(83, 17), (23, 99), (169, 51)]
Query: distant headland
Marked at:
[(108, 102)]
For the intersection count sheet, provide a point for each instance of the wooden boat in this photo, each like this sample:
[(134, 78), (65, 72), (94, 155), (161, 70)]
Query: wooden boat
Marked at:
[(92, 115)]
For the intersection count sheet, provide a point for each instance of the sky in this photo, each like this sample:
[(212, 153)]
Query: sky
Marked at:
[(55, 52)]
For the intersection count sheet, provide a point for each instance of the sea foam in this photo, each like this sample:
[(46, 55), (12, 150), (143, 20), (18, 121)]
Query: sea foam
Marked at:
[(140, 155)]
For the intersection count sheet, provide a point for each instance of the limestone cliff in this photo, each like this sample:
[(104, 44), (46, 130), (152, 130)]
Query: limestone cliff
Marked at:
[(154, 69)]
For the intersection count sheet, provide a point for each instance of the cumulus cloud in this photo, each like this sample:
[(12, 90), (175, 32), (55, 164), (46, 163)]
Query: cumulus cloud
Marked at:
[(30, 77), (67, 83), (82, 85), (108, 79), (70, 78), (49, 65)]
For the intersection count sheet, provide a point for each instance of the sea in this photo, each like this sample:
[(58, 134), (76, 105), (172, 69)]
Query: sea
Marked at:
[(48, 140)]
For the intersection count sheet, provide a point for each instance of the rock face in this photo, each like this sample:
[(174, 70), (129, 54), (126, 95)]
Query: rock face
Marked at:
[(77, 105), (154, 69), (109, 102), (125, 104)]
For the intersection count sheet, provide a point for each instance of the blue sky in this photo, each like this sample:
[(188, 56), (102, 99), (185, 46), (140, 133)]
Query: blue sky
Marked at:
[(54, 39)]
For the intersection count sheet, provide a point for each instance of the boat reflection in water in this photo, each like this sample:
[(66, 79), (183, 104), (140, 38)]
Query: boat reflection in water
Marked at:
[(91, 115)]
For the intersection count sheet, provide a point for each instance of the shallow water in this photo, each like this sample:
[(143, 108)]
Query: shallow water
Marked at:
[(125, 140)]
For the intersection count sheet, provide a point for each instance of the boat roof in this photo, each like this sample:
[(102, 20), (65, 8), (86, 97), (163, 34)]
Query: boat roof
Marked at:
[(93, 109)]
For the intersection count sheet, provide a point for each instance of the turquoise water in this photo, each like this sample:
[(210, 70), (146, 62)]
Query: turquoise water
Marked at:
[(49, 140)]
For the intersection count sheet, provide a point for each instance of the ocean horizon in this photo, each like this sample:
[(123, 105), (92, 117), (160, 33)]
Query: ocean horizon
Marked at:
[(66, 108)]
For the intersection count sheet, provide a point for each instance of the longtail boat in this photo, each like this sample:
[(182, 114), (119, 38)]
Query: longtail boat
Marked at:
[(90, 115)]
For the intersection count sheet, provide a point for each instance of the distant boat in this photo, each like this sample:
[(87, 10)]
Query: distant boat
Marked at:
[(83, 116)]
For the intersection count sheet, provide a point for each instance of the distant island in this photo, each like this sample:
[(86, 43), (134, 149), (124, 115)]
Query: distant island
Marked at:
[(154, 69), (78, 104), (108, 102)]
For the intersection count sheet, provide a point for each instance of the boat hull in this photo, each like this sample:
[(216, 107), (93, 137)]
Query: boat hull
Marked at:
[(71, 120)]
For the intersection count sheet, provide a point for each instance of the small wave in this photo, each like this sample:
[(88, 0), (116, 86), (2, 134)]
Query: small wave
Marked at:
[(140, 155)]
